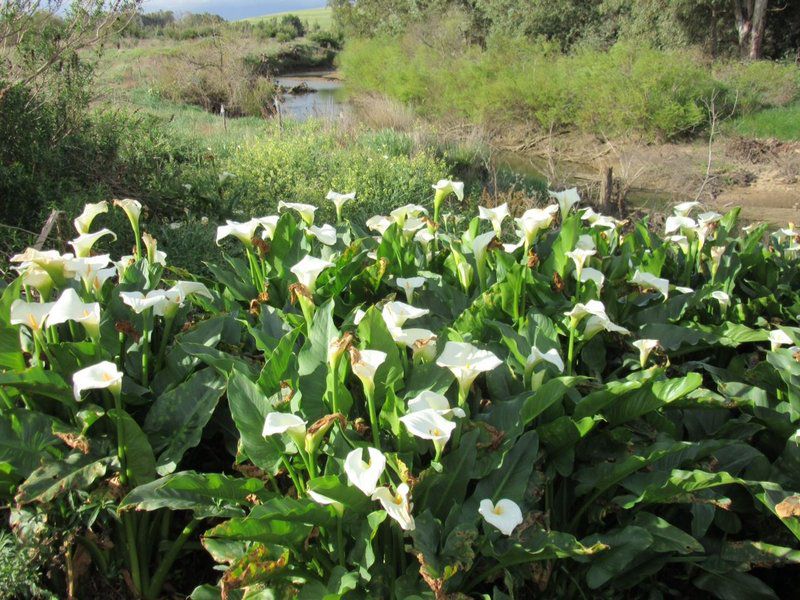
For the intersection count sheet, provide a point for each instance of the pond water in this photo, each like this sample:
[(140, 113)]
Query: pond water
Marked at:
[(325, 97)]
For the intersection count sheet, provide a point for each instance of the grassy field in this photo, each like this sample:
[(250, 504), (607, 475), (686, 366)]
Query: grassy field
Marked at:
[(314, 16), (781, 123)]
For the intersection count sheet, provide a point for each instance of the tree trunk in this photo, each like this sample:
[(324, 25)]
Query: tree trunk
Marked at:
[(751, 20), (757, 29)]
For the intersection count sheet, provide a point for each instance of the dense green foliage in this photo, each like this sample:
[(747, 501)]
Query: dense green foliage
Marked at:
[(665, 24), (596, 410), (661, 94)]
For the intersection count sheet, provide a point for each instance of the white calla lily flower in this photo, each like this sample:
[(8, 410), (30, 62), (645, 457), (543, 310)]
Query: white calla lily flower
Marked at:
[(31, 314), (580, 310), (244, 232), (396, 505), (505, 515), (566, 200), (597, 323), (395, 314), (69, 307), (409, 337), (495, 216), (37, 278), (551, 357), (306, 211), (645, 347), (177, 294), (447, 186), (365, 364), (325, 234), (139, 302), (56, 264), (778, 338), (104, 375), (723, 298), (535, 220), (269, 224), (590, 274), (409, 211), (429, 400), (308, 270), (429, 424), (90, 211), (684, 208), (339, 201), (278, 423), (364, 475), (648, 281), (133, 210), (466, 362), (379, 224), (409, 284), (678, 223), (84, 242), (325, 501), (579, 256), (424, 237)]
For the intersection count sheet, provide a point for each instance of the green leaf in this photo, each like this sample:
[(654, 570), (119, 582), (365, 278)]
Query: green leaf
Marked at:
[(76, 471), (667, 537), (440, 491), (24, 439), (139, 457), (176, 420), (249, 407), (205, 494)]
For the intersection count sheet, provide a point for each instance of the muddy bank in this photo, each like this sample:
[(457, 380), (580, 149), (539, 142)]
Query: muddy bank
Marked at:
[(760, 176)]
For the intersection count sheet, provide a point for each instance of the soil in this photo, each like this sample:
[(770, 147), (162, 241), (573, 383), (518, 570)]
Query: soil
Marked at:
[(760, 176)]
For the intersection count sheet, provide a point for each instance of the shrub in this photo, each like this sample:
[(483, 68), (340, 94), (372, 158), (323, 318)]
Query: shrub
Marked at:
[(659, 94), (308, 158)]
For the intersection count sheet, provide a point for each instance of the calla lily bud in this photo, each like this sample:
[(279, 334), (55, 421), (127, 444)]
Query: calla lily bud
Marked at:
[(337, 347), (317, 432)]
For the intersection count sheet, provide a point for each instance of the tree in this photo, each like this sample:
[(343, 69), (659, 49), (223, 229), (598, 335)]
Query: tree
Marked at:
[(36, 41), (751, 21)]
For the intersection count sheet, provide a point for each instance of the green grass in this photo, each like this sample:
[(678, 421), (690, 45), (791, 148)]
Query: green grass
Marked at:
[(782, 123), (314, 16)]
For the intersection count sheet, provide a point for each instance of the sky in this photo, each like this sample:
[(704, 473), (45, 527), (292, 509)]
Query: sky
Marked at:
[(231, 9)]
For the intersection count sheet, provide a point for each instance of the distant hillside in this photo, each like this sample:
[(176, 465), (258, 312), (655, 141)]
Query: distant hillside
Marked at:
[(319, 16)]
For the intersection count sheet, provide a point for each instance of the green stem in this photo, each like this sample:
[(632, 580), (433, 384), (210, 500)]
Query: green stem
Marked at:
[(133, 555), (340, 542), (289, 468), (146, 339), (138, 236), (154, 589), (373, 417), (162, 347), (144, 546), (570, 348)]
